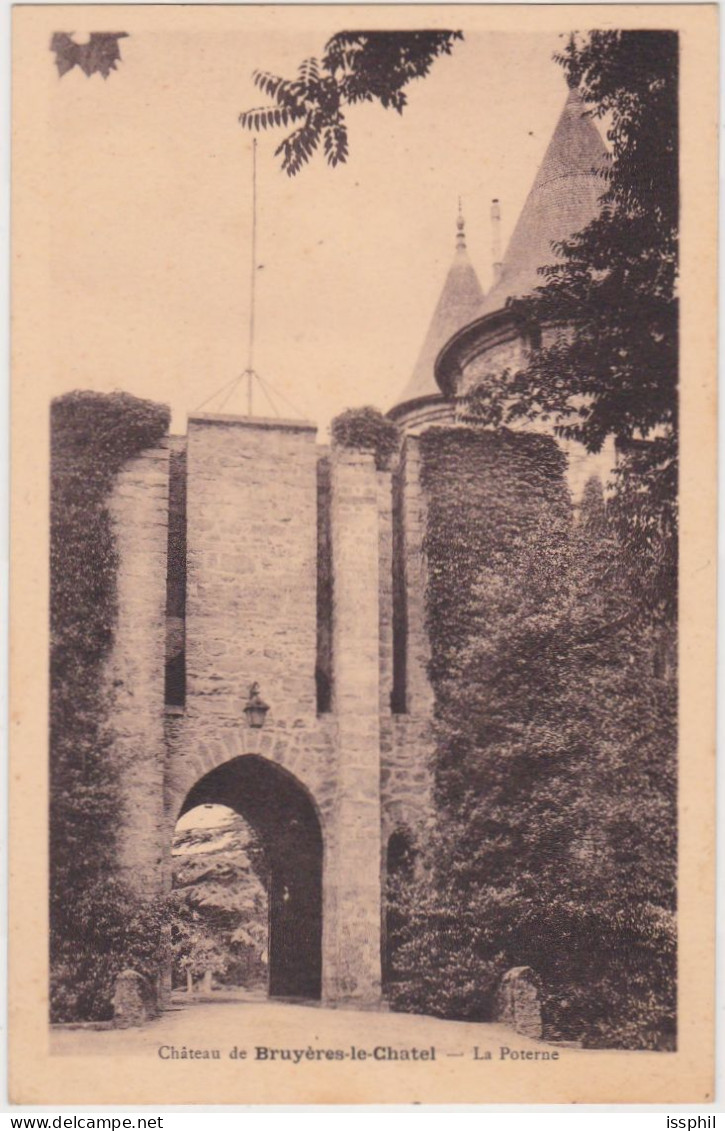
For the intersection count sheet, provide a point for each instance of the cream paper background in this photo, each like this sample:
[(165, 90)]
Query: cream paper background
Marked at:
[(129, 269)]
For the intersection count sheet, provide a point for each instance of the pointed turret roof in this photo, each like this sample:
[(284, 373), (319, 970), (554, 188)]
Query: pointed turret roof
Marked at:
[(563, 199), (459, 302)]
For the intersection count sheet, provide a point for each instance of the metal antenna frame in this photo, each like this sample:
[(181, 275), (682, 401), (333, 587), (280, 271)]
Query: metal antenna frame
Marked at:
[(229, 388), (249, 371)]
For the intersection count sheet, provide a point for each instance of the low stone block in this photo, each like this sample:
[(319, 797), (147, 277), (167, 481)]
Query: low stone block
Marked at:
[(518, 1001), (134, 1002)]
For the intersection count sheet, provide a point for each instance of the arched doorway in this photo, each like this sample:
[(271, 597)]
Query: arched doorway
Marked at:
[(279, 808), (400, 860)]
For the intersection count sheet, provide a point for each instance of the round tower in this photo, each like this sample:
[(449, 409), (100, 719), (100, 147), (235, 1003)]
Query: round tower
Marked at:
[(564, 199)]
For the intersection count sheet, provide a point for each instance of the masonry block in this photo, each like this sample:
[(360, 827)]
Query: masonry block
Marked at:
[(353, 889), (135, 673)]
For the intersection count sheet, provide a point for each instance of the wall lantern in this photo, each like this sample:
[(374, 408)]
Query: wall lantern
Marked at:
[(256, 709)]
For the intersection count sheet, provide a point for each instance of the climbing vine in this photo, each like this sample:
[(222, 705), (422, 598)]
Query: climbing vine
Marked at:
[(490, 495), (96, 926)]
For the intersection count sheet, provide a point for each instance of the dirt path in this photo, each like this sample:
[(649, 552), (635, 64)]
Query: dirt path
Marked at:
[(254, 1025)]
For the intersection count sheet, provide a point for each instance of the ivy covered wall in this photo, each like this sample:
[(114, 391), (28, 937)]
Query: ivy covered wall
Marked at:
[(96, 925), (490, 496)]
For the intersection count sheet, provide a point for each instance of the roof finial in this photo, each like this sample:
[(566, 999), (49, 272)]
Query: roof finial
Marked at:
[(460, 229), (572, 63), (496, 238)]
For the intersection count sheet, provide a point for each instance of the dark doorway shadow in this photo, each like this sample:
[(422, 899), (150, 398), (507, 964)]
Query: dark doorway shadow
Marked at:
[(399, 867)]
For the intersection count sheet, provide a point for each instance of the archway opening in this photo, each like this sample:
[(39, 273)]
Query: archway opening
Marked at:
[(400, 861), (280, 811)]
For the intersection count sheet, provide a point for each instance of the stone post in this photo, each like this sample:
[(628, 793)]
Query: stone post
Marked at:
[(518, 1001), (133, 1001), (351, 943)]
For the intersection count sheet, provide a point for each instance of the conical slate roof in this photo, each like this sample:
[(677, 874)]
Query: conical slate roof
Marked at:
[(563, 199), (459, 303)]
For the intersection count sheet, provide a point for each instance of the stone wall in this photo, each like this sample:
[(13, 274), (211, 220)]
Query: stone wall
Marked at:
[(251, 604), (407, 751), (201, 743), (507, 352), (507, 349), (581, 465)]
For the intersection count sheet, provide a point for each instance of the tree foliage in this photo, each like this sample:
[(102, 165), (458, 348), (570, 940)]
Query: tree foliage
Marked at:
[(608, 365), (357, 66), (96, 924), (219, 904), (366, 429), (554, 843)]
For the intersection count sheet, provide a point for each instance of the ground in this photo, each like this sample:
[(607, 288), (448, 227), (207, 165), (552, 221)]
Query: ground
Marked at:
[(272, 1052), (253, 1024)]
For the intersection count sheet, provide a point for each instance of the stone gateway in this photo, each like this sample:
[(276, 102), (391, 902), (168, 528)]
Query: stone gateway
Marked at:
[(251, 555)]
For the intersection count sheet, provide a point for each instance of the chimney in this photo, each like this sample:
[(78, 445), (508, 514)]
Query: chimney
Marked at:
[(496, 239)]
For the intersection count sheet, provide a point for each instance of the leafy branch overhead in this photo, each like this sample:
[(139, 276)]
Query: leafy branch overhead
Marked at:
[(98, 56), (608, 306), (357, 66)]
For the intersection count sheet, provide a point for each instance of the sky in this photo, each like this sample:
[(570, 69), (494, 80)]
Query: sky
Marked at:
[(205, 818), (147, 183)]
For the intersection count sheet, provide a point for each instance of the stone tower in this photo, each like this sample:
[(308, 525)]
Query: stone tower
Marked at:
[(485, 340)]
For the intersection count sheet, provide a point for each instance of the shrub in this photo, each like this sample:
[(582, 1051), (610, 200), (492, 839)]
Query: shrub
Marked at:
[(366, 429), (108, 931)]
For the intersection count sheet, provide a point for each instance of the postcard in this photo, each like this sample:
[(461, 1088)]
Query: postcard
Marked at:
[(363, 554)]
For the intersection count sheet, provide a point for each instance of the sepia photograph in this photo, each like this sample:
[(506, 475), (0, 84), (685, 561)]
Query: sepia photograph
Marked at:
[(372, 496)]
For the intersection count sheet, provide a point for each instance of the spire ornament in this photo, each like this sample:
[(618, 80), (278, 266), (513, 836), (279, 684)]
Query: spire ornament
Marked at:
[(569, 57), (460, 229), (496, 239)]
